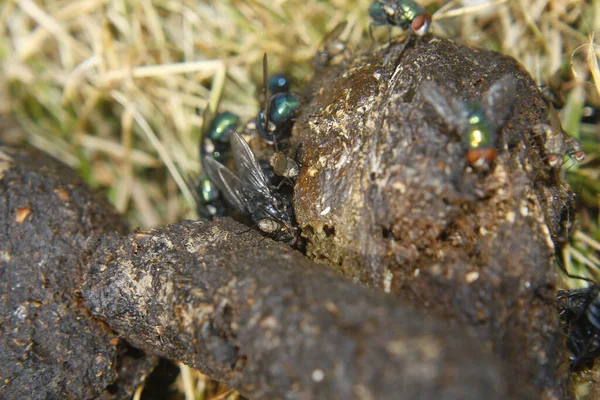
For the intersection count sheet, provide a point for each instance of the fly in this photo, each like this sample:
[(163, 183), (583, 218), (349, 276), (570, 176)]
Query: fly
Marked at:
[(331, 47), (405, 14), (557, 142), (278, 83), (251, 193), (284, 166), (214, 144), (274, 121), (573, 149), (215, 141), (580, 318), (209, 203), (475, 121)]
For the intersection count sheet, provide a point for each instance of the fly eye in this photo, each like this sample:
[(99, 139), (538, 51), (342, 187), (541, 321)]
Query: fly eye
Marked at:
[(268, 225), (554, 160), (579, 156), (420, 24)]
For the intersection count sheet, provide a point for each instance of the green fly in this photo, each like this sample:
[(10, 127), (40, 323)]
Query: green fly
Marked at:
[(556, 141), (475, 121), (214, 144), (274, 120), (405, 14)]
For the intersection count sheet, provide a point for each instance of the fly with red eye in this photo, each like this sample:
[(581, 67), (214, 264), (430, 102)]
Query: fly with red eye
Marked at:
[(405, 14)]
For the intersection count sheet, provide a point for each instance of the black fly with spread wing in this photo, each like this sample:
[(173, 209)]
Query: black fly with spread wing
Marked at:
[(251, 193), (580, 317)]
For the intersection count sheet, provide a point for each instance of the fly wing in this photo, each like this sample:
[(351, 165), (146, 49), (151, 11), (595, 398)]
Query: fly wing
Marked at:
[(555, 123), (450, 109), (247, 167), (333, 34), (229, 184), (499, 99), (330, 46)]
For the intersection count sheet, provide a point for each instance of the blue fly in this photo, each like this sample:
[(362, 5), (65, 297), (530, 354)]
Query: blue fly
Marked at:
[(274, 121)]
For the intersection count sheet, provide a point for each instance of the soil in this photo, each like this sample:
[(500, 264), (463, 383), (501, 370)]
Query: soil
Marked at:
[(386, 196)]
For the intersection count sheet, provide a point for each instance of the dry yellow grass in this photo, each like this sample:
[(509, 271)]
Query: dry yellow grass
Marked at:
[(111, 87)]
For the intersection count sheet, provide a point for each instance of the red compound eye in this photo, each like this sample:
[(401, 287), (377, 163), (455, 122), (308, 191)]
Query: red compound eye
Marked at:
[(579, 156), (420, 24), (555, 160), (479, 157)]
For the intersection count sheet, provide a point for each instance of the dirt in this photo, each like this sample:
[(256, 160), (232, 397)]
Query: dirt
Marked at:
[(50, 346), (387, 197)]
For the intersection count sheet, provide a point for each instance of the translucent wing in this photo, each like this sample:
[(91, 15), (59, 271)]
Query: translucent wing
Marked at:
[(330, 46), (229, 184), (450, 109), (499, 99), (333, 34), (555, 121), (247, 167)]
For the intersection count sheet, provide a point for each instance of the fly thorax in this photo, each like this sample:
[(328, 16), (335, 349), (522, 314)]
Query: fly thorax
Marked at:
[(282, 107), (222, 126), (409, 10), (480, 133)]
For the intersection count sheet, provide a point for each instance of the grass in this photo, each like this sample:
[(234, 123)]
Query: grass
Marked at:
[(111, 87)]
